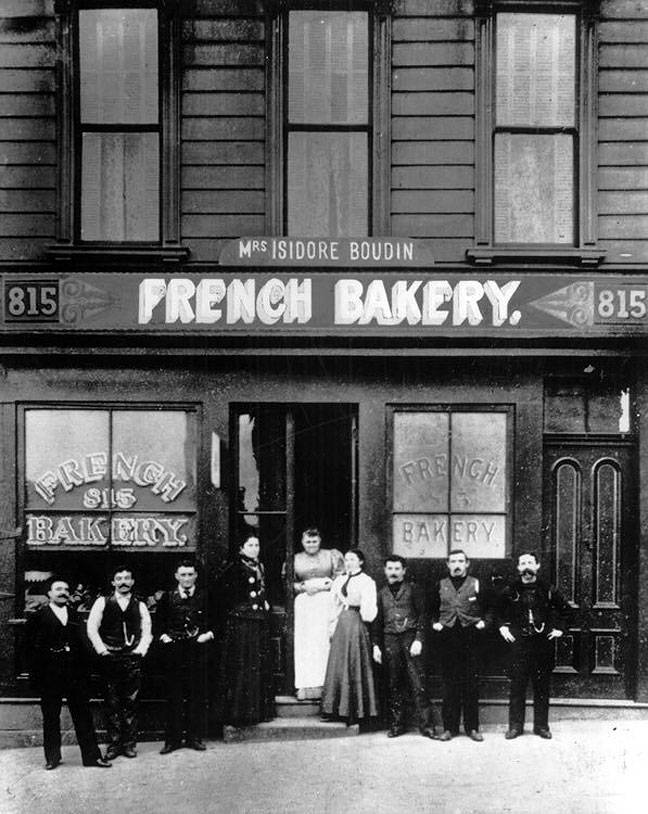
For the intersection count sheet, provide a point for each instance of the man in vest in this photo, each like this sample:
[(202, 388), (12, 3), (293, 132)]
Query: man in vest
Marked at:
[(458, 619), (56, 647), (532, 615), (183, 629), (119, 627), (398, 634)]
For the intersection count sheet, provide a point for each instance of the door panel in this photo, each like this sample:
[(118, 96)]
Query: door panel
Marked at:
[(590, 533)]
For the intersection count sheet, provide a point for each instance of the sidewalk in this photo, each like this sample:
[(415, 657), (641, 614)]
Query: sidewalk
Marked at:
[(590, 767)]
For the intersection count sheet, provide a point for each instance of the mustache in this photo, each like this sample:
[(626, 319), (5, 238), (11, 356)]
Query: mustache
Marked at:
[(528, 571)]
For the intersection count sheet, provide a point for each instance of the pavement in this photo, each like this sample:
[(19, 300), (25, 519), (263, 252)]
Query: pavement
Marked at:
[(590, 767)]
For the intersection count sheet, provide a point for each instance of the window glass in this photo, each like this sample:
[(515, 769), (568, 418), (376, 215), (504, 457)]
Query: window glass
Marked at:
[(450, 483), (327, 184), (328, 67), (120, 128), (328, 140), (110, 479), (118, 59), (536, 70), (262, 462), (534, 188), (120, 186), (535, 138)]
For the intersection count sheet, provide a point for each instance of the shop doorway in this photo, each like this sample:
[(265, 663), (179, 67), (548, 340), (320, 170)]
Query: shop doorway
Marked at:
[(296, 467), (591, 532)]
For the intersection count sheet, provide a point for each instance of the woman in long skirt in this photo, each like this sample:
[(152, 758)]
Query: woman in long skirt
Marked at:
[(349, 690), (246, 680), (315, 569)]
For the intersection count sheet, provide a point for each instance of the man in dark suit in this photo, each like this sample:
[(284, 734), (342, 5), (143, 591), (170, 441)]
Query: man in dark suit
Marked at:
[(56, 645), (458, 618), (532, 614), (183, 630), (398, 634)]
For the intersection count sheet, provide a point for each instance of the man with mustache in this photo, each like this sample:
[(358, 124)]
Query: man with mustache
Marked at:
[(458, 619), (56, 647), (119, 627), (532, 614), (398, 635)]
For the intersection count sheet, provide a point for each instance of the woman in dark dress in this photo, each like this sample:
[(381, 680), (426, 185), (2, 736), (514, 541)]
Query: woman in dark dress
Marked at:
[(349, 690), (246, 685)]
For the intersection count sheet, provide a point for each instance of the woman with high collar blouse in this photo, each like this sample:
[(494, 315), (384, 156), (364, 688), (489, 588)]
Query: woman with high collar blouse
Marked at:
[(247, 686), (349, 692)]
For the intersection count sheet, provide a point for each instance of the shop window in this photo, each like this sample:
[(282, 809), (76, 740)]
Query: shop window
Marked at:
[(590, 405), (326, 109), (450, 483), (119, 129), (537, 135), (103, 485)]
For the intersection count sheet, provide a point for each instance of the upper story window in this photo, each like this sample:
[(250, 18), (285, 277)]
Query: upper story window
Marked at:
[(119, 124), (328, 123), (118, 111), (536, 134), (329, 119)]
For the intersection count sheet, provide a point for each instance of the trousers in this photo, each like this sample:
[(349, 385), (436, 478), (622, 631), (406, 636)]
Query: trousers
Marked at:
[(532, 660), (122, 675), (186, 690), (77, 700), (406, 675), (459, 670)]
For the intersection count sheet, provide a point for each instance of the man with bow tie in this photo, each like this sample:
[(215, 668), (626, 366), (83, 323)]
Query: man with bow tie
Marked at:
[(55, 638), (183, 630), (398, 635)]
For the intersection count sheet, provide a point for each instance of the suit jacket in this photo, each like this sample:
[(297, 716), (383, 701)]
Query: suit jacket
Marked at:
[(180, 618), (57, 653), (241, 590), (396, 614), (546, 605)]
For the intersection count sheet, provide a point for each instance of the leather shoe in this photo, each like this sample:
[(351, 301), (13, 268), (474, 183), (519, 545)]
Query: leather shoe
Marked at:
[(196, 744), (51, 764), (446, 735), (99, 763), (543, 733), (475, 735), (395, 731), (130, 751), (112, 752), (428, 732), (512, 733), (168, 748)]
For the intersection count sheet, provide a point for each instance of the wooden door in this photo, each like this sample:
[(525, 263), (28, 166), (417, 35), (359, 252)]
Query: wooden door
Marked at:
[(590, 532)]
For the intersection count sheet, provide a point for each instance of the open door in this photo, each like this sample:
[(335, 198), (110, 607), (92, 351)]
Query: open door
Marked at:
[(296, 467)]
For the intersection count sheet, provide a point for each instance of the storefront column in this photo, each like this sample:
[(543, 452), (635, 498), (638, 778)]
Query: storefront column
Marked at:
[(8, 543), (642, 575)]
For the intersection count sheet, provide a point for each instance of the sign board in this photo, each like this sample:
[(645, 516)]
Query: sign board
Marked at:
[(344, 303)]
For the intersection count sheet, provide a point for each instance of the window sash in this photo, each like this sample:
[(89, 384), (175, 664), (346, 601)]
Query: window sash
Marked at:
[(313, 203)]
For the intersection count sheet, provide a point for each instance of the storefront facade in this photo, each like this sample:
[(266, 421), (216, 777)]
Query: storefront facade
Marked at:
[(231, 306)]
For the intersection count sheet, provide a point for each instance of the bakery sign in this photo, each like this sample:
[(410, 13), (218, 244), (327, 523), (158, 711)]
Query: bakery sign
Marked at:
[(360, 300), (77, 509)]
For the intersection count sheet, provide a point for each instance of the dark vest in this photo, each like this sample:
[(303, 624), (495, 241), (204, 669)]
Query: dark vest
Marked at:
[(185, 616), (399, 612), (462, 604), (121, 630)]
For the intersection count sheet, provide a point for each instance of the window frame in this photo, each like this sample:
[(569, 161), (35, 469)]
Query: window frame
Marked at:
[(583, 250), (109, 553), (508, 410), (69, 244), (378, 102)]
